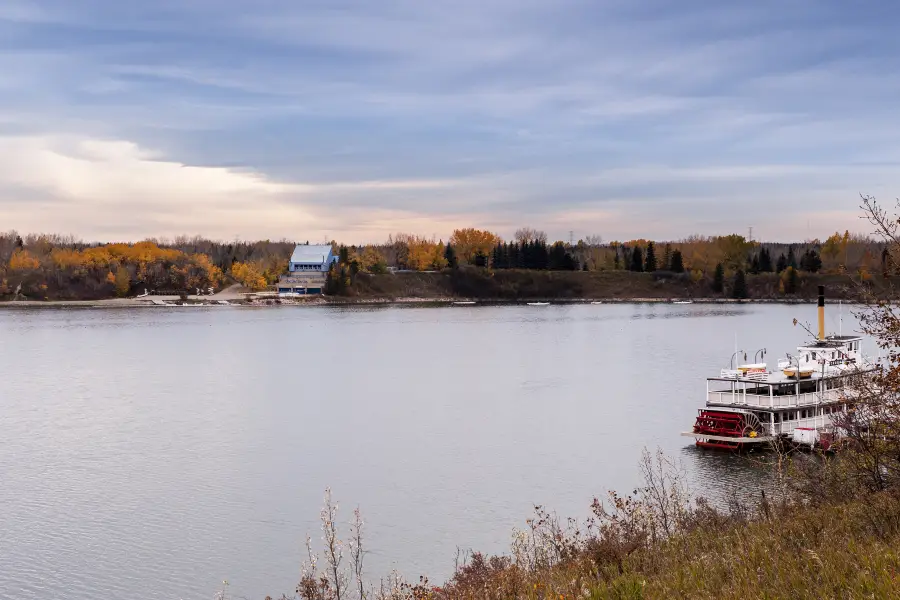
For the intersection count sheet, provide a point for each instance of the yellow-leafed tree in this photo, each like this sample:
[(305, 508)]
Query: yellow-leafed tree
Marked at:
[(470, 242), (248, 276), (22, 260), (123, 282)]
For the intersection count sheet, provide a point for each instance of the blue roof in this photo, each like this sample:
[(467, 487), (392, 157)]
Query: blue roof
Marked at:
[(317, 254)]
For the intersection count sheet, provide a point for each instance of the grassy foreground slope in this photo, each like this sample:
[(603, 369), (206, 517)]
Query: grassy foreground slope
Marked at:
[(658, 544), (836, 551)]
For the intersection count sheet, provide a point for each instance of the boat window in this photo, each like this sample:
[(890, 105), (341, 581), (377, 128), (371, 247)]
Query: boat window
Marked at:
[(814, 356)]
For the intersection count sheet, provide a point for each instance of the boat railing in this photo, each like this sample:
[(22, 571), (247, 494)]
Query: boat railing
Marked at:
[(788, 427), (739, 397)]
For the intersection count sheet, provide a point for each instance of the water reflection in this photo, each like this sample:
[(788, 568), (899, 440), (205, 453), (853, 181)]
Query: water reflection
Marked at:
[(719, 476)]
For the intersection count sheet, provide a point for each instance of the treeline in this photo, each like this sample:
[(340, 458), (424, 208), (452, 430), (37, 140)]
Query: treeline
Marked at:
[(48, 267), (53, 266), (530, 249)]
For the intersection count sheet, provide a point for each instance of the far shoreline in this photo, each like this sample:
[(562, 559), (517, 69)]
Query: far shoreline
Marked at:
[(134, 303)]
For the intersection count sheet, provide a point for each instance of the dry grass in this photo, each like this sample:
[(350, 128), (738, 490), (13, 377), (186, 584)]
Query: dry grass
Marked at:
[(659, 543)]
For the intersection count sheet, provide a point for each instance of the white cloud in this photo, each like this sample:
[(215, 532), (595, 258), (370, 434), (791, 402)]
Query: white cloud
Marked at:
[(114, 189)]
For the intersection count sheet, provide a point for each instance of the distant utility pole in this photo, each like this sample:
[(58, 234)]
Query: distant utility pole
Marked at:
[(571, 237), (751, 234)]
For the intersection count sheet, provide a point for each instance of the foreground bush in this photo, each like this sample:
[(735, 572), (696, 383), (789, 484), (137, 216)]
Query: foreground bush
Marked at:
[(655, 543)]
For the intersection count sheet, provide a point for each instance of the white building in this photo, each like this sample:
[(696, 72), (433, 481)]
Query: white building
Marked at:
[(308, 258), (306, 270)]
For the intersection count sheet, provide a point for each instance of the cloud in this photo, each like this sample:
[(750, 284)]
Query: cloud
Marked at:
[(357, 118), (113, 187)]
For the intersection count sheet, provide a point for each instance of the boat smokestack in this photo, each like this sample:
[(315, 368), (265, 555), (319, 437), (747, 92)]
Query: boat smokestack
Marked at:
[(821, 312)]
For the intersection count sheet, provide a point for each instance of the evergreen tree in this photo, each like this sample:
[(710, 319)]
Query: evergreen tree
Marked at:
[(811, 261), (791, 259), (765, 261), (450, 256), (754, 264), (884, 263), (718, 284), (481, 259), (782, 264), (667, 258), (617, 262), (650, 261), (739, 288), (332, 282), (542, 255), (497, 257), (515, 256), (558, 257), (637, 259), (677, 265)]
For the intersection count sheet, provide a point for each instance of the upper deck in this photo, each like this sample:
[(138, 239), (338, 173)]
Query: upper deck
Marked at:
[(778, 391)]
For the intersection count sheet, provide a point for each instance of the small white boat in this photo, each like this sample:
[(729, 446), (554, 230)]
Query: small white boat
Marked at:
[(596, 302), (682, 302), (464, 303), (538, 304)]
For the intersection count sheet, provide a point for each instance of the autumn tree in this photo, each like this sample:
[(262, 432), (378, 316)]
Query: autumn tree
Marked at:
[(122, 282), (23, 260), (734, 249), (470, 242), (248, 276), (718, 284), (790, 280), (528, 234), (835, 247), (650, 260), (424, 254), (373, 261)]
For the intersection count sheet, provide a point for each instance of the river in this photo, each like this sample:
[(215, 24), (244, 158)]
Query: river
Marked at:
[(154, 453)]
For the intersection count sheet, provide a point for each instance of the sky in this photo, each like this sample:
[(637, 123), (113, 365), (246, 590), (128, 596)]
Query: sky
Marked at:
[(351, 119)]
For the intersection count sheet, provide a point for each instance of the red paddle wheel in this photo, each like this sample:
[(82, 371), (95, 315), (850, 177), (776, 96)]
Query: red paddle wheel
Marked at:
[(722, 423)]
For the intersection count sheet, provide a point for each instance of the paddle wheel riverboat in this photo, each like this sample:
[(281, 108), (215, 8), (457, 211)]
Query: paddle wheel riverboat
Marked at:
[(750, 405)]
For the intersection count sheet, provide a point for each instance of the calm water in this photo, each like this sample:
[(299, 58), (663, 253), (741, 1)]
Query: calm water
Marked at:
[(156, 452)]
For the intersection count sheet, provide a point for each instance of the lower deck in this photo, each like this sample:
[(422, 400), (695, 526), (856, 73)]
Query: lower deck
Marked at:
[(784, 422)]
